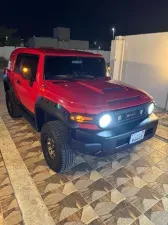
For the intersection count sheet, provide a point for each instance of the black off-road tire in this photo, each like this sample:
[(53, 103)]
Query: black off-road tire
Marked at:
[(12, 105), (64, 154)]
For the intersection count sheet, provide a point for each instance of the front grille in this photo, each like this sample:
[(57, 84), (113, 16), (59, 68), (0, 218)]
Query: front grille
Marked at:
[(133, 113), (130, 115)]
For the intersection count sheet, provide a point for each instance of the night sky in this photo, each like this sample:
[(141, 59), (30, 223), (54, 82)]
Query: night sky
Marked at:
[(88, 20)]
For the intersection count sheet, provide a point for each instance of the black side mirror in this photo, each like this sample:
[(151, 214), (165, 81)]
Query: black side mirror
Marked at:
[(26, 73)]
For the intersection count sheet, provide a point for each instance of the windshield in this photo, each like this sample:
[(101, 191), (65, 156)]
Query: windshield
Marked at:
[(73, 67)]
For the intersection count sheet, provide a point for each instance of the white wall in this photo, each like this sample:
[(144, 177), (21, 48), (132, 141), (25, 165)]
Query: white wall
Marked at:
[(45, 42), (78, 44), (63, 44), (6, 51), (145, 64), (61, 33)]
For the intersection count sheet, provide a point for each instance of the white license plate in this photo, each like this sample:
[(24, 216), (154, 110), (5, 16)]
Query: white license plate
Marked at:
[(137, 136)]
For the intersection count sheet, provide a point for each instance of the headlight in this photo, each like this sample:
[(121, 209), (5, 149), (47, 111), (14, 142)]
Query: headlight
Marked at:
[(151, 108), (105, 120)]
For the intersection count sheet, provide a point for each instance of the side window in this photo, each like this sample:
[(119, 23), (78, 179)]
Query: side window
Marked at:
[(17, 63), (28, 60)]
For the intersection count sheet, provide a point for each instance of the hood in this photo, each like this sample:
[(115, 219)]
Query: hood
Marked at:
[(99, 93)]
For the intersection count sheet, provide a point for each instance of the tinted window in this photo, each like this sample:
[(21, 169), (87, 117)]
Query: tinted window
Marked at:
[(27, 60), (73, 66)]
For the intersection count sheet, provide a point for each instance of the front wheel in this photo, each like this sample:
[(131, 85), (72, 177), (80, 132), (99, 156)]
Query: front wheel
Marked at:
[(55, 141)]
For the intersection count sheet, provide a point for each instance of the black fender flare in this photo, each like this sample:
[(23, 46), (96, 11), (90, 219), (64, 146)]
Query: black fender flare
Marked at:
[(9, 87), (54, 109), (7, 83)]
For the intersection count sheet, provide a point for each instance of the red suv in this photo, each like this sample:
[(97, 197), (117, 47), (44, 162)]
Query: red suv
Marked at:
[(66, 95)]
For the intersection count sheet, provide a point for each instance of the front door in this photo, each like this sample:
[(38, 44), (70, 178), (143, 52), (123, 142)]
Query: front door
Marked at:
[(27, 91)]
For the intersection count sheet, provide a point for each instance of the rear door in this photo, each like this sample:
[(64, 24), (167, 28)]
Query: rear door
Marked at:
[(27, 91)]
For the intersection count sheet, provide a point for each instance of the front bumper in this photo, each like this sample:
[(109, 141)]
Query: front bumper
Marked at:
[(108, 141)]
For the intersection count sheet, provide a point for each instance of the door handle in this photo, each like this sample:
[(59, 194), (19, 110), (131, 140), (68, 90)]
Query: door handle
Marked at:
[(18, 81)]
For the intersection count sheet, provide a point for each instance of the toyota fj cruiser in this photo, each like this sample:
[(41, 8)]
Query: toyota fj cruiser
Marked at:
[(66, 95)]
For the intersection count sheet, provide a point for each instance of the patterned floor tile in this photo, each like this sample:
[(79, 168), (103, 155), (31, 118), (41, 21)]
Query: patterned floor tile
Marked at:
[(22, 141), (164, 150), (24, 149), (155, 143), (35, 164), (139, 166), (78, 159), (133, 153), (78, 170), (110, 168), (163, 118), (1, 161), (160, 185), (119, 177), (9, 202), (3, 169), (48, 180), (107, 170), (142, 220), (155, 157), (150, 175), (119, 154), (127, 159), (163, 165), (30, 152), (13, 217), (96, 162), (84, 216), (5, 190), (92, 186), (151, 141), (142, 199), (131, 187), (143, 149), (113, 209), (162, 131), (21, 133), (4, 179), (63, 201), (158, 213)]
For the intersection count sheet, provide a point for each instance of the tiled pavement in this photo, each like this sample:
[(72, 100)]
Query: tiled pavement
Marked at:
[(10, 213), (127, 188)]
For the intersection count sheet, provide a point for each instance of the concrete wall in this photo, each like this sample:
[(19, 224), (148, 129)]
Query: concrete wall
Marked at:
[(63, 44), (38, 42), (6, 51), (141, 60), (52, 42), (61, 33), (78, 44)]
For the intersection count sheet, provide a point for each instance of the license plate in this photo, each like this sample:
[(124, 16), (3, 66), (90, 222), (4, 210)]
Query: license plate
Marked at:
[(137, 136)]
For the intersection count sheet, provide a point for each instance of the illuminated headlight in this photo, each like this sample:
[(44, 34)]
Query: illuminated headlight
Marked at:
[(151, 108), (105, 120)]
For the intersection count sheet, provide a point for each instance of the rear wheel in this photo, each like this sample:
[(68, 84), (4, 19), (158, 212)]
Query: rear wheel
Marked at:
[(55, 141), (12, 105)]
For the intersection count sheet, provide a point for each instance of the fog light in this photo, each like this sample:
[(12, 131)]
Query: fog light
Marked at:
[(105, 120), (151, 108)]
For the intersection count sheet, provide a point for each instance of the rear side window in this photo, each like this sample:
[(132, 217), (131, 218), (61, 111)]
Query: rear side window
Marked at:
[(28, 60)]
